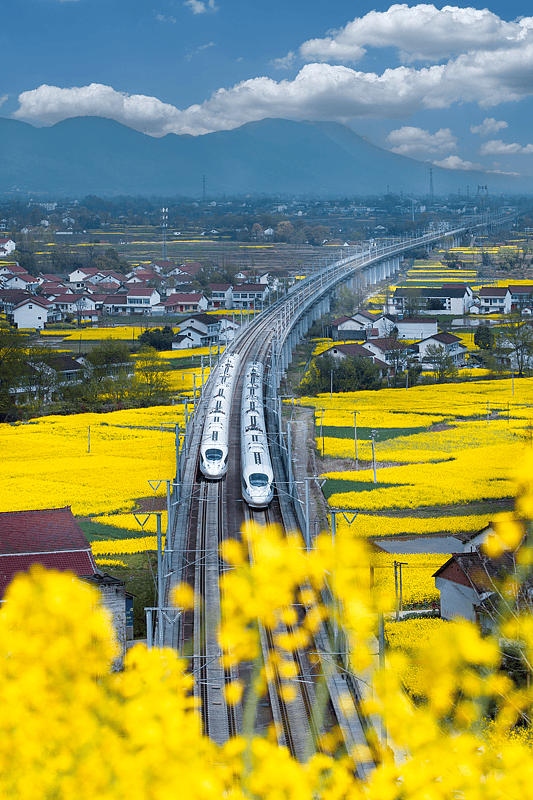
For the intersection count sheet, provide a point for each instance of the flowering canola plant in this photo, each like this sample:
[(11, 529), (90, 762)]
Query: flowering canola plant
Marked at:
[(71, 728), (119, 547), (378, 525), (47, 462), (462, 457), (411, 637), (417, 570)]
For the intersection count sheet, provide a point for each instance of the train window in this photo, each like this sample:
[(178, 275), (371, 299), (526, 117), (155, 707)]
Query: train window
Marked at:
[(218, 405), (216, 419), (255, 437), (258, 479), (252, 406), (213, 454), (257, 458), (253, 420), (215, 436), (252, 392)]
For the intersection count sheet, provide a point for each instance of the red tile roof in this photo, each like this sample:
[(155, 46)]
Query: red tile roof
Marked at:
[(48, 530), (50, 537), (141, 292)]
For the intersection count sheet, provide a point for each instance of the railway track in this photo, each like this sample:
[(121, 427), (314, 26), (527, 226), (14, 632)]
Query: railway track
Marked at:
[(216, 512)]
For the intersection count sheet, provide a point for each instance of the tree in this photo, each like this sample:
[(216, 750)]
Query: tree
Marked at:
[(151, 385), (158, 338), (106, 363), (317, 234), (13, 369), (413, 302), (516, 339), (40, 379), (346, 300), (348, 375), (440, 361), (484, 337)]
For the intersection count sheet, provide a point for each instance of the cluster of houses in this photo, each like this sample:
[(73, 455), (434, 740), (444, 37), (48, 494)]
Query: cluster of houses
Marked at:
[(380, 338), (89, 293)]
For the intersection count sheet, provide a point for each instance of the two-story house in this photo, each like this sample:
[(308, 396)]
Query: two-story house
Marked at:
[(452, 345), (495, 299)]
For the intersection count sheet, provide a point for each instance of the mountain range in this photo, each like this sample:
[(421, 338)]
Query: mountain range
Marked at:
[(93, 155)]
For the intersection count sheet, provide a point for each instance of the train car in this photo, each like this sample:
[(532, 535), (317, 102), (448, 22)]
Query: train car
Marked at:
[(214, 445), (257, 477)]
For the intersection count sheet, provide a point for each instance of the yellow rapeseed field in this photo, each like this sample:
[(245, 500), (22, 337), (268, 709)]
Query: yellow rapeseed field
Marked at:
[(46, 463), (462, 456)]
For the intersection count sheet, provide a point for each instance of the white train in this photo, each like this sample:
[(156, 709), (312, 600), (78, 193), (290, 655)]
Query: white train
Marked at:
[(214, 446), (257, 477)]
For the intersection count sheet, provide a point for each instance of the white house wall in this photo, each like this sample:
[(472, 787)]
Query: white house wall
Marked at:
[(456, 601)]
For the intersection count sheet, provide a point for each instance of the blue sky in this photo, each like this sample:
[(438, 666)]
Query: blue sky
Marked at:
[(449, 84)]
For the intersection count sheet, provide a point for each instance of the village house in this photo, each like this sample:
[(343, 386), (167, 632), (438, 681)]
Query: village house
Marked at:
[(50, 537), (451, 344), (53, 539), (191, 337), (141, 300), (521, 296), (389, 350), (184, 304), (9, 298), (74, 305), (21, 280), (448, 299), (350, 328), (32, 312), (495, 299), (250, 295), (6, 247), (221, 295), (79, 277), (415, 328), (207, 324), (354, 350)]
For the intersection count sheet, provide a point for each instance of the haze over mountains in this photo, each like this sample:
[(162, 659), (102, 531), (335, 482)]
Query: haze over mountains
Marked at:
[(92, 155)]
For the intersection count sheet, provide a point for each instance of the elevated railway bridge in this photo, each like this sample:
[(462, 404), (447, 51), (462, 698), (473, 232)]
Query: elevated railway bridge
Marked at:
[(202, 513)]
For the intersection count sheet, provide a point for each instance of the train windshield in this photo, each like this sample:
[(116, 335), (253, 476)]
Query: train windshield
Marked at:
[(213, 454), (258, 479)]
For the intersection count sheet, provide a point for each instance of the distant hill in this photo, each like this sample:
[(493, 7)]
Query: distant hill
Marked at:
[(92, 155)]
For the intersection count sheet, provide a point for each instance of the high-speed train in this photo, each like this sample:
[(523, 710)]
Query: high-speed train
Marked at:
[(257, 477), (214, 446)]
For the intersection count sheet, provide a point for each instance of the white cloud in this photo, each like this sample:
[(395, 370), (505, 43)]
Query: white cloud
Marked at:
[(318, 91), (420, 32), (489, 125), (163, 18), (497, 147), (454, 162), (199, 7), (284, 63), (408, 140), (199, 50), (3, 99), (51, 104)]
